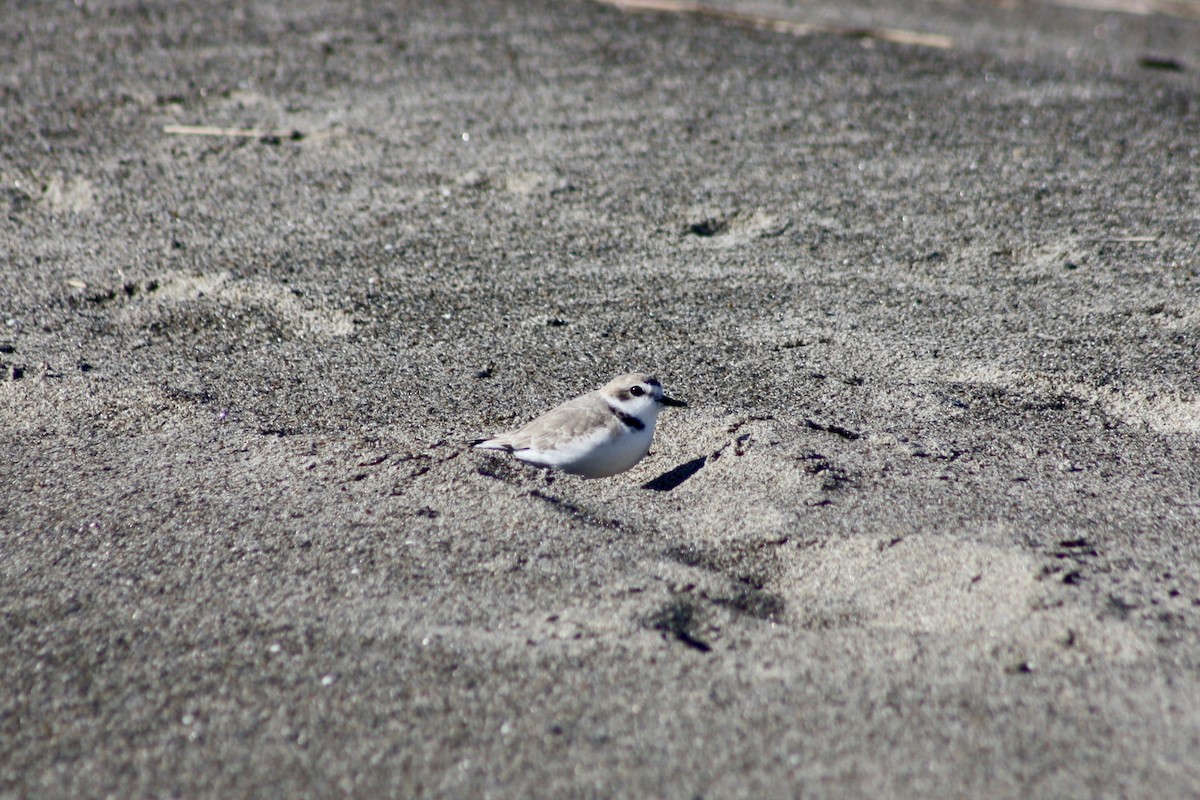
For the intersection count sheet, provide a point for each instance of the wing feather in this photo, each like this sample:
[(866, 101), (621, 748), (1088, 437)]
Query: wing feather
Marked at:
[(573, 420)]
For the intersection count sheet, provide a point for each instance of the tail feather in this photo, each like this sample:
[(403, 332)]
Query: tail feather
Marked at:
[(492, 444)]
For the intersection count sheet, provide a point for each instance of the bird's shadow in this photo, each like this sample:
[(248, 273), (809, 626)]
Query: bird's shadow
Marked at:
[(672, 478)]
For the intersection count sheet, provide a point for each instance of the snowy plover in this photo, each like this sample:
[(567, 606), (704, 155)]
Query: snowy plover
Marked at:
[(597, 434)]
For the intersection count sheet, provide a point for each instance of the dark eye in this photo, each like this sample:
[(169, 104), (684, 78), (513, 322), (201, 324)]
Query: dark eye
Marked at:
[(637, 391)]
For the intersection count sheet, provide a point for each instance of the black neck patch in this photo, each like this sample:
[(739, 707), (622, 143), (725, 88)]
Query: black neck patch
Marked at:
[(629, 420)]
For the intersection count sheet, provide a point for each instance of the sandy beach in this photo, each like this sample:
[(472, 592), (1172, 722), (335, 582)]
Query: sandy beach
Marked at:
[(927, 275)]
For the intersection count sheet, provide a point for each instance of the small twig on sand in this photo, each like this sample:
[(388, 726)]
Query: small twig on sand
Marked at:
[(1120, 239), (236, 133), (783, 25)]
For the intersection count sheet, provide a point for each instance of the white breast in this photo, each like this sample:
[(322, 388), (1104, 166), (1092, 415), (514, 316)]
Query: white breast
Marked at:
[(616, 454), (599, 456)]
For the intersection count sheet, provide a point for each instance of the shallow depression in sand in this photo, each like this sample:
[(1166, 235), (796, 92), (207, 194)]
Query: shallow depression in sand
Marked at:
[(184, 291), (950, 595)]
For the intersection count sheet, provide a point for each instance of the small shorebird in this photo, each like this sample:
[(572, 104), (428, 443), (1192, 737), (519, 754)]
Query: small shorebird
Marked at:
[(596, 435)]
